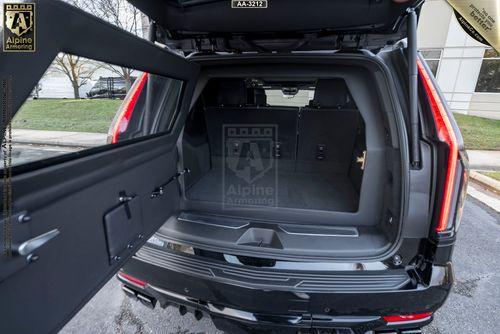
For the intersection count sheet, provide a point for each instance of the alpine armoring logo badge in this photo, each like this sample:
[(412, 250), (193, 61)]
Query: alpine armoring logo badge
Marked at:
[(19, 27)]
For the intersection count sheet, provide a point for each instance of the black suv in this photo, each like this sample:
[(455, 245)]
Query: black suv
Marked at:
[(311, 176), (110, 88)]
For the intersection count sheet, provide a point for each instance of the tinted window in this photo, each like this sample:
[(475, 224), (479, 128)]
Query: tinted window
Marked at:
[(432, 57), (489, 75), (276, 97)]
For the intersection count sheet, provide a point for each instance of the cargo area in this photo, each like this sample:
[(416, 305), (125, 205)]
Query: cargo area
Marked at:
[(268, 154), (289, 165)]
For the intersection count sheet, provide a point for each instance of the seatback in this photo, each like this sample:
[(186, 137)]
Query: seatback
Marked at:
[(232, 103), (327, 129)]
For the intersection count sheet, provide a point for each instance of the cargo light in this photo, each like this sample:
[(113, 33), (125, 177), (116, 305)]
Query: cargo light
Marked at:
[(446, 134)]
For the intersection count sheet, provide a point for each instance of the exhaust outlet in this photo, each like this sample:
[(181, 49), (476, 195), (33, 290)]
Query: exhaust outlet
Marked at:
[(147, 301), (129, 292)]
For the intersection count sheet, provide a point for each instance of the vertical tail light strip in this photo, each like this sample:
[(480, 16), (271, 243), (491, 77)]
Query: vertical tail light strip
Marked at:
[(447, 135), (127, 107)]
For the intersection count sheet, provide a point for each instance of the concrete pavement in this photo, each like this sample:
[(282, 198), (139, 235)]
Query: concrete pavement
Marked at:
[(484, 160), (483, 195), (58, 138)]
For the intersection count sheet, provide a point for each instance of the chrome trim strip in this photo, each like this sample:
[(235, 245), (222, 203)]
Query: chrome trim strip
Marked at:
[(224, 222), (351, 232)]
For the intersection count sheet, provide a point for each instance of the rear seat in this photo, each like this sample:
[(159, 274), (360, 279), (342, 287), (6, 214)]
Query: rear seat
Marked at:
[(327, 129), (320, 140), (230, 102)]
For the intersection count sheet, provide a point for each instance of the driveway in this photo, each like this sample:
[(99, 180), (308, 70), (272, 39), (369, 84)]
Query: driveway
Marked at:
[(473, 306)]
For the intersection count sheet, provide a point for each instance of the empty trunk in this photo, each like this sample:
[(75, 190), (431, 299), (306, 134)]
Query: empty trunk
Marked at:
[(290, 166), (276, 156)]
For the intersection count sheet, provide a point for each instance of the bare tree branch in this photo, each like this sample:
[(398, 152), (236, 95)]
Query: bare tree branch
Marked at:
[(121, 14), (78, 70)]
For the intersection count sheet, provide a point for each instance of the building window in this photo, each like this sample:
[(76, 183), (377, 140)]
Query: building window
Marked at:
[(432, 57), (489, 75)]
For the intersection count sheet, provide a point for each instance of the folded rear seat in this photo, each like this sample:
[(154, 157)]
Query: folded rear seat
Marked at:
[(327, 129), (229, 102)]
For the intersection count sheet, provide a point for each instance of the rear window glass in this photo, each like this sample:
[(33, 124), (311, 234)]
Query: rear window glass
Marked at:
[(276, 97), (80, 104)]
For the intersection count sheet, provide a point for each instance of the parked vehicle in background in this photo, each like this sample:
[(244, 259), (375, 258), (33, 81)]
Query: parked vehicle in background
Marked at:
[(109, 88)]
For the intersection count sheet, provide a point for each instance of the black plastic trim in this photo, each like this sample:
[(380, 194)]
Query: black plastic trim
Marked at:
[(268, 278)]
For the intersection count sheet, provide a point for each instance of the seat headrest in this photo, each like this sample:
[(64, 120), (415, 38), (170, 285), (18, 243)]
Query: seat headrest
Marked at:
[(225, 92), (330, 93)]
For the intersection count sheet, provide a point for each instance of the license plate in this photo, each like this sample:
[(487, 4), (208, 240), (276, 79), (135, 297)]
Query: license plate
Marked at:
[(248, 3)]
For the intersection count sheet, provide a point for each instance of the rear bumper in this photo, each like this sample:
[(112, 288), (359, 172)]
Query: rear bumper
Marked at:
[(243, 308)]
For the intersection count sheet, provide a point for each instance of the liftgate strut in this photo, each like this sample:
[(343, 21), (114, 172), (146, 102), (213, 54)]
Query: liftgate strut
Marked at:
[(413, 87)]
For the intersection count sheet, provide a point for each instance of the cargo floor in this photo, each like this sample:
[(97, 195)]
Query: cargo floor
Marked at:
[(333, 192)]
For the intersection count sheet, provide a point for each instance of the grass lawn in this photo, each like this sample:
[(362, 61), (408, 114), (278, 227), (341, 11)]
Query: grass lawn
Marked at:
[(494, 175), (479, 133), (67, 115)]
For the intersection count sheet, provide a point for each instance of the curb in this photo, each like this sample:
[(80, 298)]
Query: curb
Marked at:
[(483, 166), (55, 143), (485, 181), (484, 160)]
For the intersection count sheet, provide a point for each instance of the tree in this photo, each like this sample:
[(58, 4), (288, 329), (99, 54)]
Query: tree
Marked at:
[(79, 70), (117, 12), (121, 14)]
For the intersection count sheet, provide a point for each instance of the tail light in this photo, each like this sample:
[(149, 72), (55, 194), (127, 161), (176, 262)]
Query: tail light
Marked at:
[(407, 318), (446, 134), (131, 279), (120, 123)]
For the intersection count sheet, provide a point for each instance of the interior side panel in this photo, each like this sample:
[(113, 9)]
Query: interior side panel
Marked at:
[(73, 197), (76, 197)]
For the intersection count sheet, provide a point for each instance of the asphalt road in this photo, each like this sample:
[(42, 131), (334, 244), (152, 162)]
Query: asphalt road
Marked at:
[(473, 307)]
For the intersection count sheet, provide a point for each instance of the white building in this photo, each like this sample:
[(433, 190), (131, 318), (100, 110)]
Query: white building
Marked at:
[(467, 71)]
